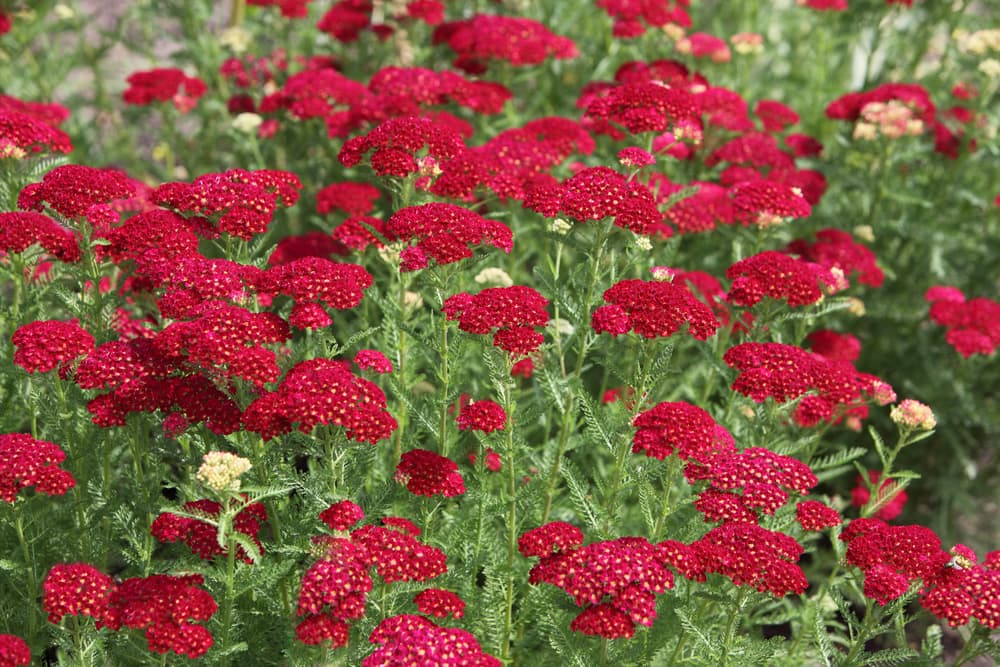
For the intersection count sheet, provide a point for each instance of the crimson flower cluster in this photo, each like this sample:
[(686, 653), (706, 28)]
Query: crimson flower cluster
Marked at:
[(395, 143), (354, 199), (322, 391), (26, 462), (440, 603), (23, 132), (777, 276), (313, 282), (512, 312), (416, 640), (47, 345), (653, 309), (596, 193), (973, 325), (335, 588), (239, 202), (484, 37), (163, 85), (681, 428), (169, 609), (23, 229), (485, 416), (889, 509), (444, 233), (203, 537), (835, 248), (615, 581), (79, 192), (14, 651), (345, 20), (428, 474), (632, 19)]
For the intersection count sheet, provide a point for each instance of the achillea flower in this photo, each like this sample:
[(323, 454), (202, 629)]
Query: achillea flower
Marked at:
[(319, 92), (166, 84), (963, 589), (848, 107), (293, 9), (777, 276), (372, 360), (322, 391), (76, 589), (765, 203), (704, 45), (491, 460), (168, 608), (153, 242), (631, 19), (21, 230), (400, 91), (395, 143), (783, 372), (813, 515), (913, 415), (428, 474), (755, 149), (973, 325), (616, 580), (241, 203), (203, 537), (310, 244), (775, 116), (221, 471), (640, 107), (744, 552), (14, 651), (484, 37), (824, 5), (549, 539), (485, 416), (314, 280), (596, 193), (803, 145), (834, 345), (889, 497), (354, 199), (512, 312), (21, 134), (46, 345), (397, 555), (334, 590), (342, 515), (440, 603), (77, 191), (416, 640), (835, 248), (680, 428), (635, 158), (653, 309), (883, 584), (444, 233)]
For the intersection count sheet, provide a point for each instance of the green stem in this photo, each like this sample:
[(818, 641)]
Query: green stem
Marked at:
[(668, 483), (443, 436), (505, 651), (29, 568), (227, 614)]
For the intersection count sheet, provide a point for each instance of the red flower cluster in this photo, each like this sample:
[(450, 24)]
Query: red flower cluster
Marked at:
[(744, 552), (403, 91), (416, 640), (342, 515), (168, 608), (241, 203), (322, 391), (440, 603), (633, 18), (313, 282), (397, 554), (45, 345), (835, 249), (965, 589), (372, 360), (162, 85), (973, 324), (834, 345), (21, 133), (355, 199), (813, 515), (680, 428), (202, 537), (334, 591), (21, 230), (14, 651), (396, 141), (596, 193), (513, 312), (519, 41), (485, 416), (644, 106), (653, 309), (913, 95), (293, 9), (154, 242), (701, 211), (345, 20), (616, 581), (26, 462), (767, 202), (428, 474), (444, 233), (77, 191), (777, 276), (76, 589)]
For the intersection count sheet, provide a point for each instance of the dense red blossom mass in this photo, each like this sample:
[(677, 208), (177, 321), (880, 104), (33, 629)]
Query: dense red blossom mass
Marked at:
[(428, 474), (14, 651), (202, 537), (653, 309), (511, 313), (445, 233), (484, 37), (973, 325), (27, 462), (416, 640)]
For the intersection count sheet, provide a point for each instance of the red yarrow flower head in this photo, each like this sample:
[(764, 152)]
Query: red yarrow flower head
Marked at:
[(316, 282), (76, 589), (372, 360), (512, 312), (342, 515), (240, 202), (23, 133), (639, 107), (765, 203), (973, 325), (483, 415), (440, 603), (550, 539), (428, 474), (653, 309), (775, 116), (890, 497), (168, 608), (631, 19), (491, 460), (396, 143), (23, 229), (416, 640), (202, 537), (14, 651), (834, 345), (45, 345), (837, 249), (519, 41), (165, 84), (814, 515), (778, 276), (355, 199), (396, 554), (635, 158), (704, 45), (445, 233), (26, 462), (682, 428), (596, 193), (77, 191)]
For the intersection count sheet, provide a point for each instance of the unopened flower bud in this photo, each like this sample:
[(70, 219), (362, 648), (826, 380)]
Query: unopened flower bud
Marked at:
[(220, 471)]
